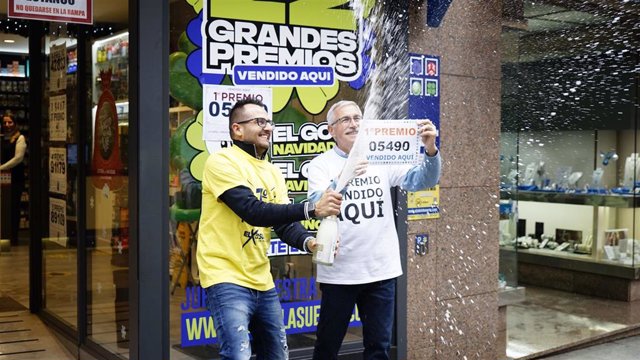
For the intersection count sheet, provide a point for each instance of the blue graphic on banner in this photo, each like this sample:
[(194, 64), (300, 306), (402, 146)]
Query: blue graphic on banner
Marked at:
[(197, 326), (197, 329), (279, 248), (283, 75), (424, 88), (423, 211)]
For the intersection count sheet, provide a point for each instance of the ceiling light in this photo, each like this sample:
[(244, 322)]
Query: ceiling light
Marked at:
[(9, 41)]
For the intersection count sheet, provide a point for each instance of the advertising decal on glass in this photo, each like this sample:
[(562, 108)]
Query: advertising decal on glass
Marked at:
[(305, 60)]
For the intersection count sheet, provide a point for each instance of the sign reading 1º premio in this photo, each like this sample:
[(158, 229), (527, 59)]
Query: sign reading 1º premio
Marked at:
[(71, 11), (392, 142), (218, 101)]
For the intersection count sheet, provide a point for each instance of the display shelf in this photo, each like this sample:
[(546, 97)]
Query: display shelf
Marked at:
[(562, 213), (617, 201), (111, 53), (575, 262)]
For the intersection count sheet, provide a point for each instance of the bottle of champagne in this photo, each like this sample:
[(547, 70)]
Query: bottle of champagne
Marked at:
[(326, 240)]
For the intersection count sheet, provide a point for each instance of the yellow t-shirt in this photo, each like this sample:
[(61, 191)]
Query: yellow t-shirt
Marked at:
[(229, 249)]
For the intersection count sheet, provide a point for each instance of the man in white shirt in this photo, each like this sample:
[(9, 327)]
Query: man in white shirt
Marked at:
[(368, 262)]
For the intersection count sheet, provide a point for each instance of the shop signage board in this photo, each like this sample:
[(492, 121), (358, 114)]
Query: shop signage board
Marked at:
[(70, 11)]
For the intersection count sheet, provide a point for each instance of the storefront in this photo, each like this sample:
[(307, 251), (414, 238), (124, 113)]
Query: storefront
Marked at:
[(116, 122), (115, 164)]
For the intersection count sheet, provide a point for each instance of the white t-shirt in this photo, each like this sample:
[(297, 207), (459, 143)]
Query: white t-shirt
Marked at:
[(369, 249)]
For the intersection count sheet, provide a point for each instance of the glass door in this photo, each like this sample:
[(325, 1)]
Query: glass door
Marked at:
[(107, 195), (85, 124), (60, 183)]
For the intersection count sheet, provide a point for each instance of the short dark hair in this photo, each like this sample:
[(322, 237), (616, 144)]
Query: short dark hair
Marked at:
[(241, 103)]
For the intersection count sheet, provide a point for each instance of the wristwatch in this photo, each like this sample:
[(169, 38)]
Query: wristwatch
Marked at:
[(310, 210)]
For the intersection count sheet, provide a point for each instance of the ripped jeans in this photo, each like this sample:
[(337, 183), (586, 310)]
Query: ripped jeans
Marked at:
[(236, 311)]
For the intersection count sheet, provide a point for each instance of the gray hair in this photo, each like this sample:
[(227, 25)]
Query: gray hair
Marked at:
[(331, 113)]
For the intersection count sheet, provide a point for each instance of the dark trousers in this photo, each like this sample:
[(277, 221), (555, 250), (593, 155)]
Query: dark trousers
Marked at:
[(16, 193), (376, 305), (11, 210)]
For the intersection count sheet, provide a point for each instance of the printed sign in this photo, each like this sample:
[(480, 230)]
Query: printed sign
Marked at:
[(57, 68), (217, 103), (392, 142), (281, 44), (58, 170), (57, 218), (70, 11), (58, 118), (424, 103), (423, 204)]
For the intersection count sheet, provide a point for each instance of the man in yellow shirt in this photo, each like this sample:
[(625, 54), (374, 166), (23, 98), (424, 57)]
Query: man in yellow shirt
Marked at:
[(243, 196)]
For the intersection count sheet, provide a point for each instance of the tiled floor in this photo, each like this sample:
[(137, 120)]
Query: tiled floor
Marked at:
[(550, 319), (547, 319), (625, 349), (24, 337)]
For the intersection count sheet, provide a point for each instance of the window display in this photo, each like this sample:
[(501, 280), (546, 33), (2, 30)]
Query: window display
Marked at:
[(565, 214), (569, 142)]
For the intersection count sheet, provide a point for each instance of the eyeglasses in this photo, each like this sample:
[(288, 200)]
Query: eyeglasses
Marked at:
[(345, 120), (262, 122)]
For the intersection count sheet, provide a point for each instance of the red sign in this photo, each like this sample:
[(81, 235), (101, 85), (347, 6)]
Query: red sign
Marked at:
[(71, 11)]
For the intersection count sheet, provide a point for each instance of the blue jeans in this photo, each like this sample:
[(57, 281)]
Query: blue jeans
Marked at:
[(376, 305), (236, 311)]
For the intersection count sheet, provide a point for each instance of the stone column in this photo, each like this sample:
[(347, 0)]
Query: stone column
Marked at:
[(452, 291)]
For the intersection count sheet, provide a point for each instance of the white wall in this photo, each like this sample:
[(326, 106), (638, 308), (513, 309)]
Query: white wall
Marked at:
[(557, 216)]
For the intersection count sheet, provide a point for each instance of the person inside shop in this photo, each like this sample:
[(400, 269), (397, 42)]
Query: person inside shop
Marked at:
[(367, 264), (14, 146), (243, 197)]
